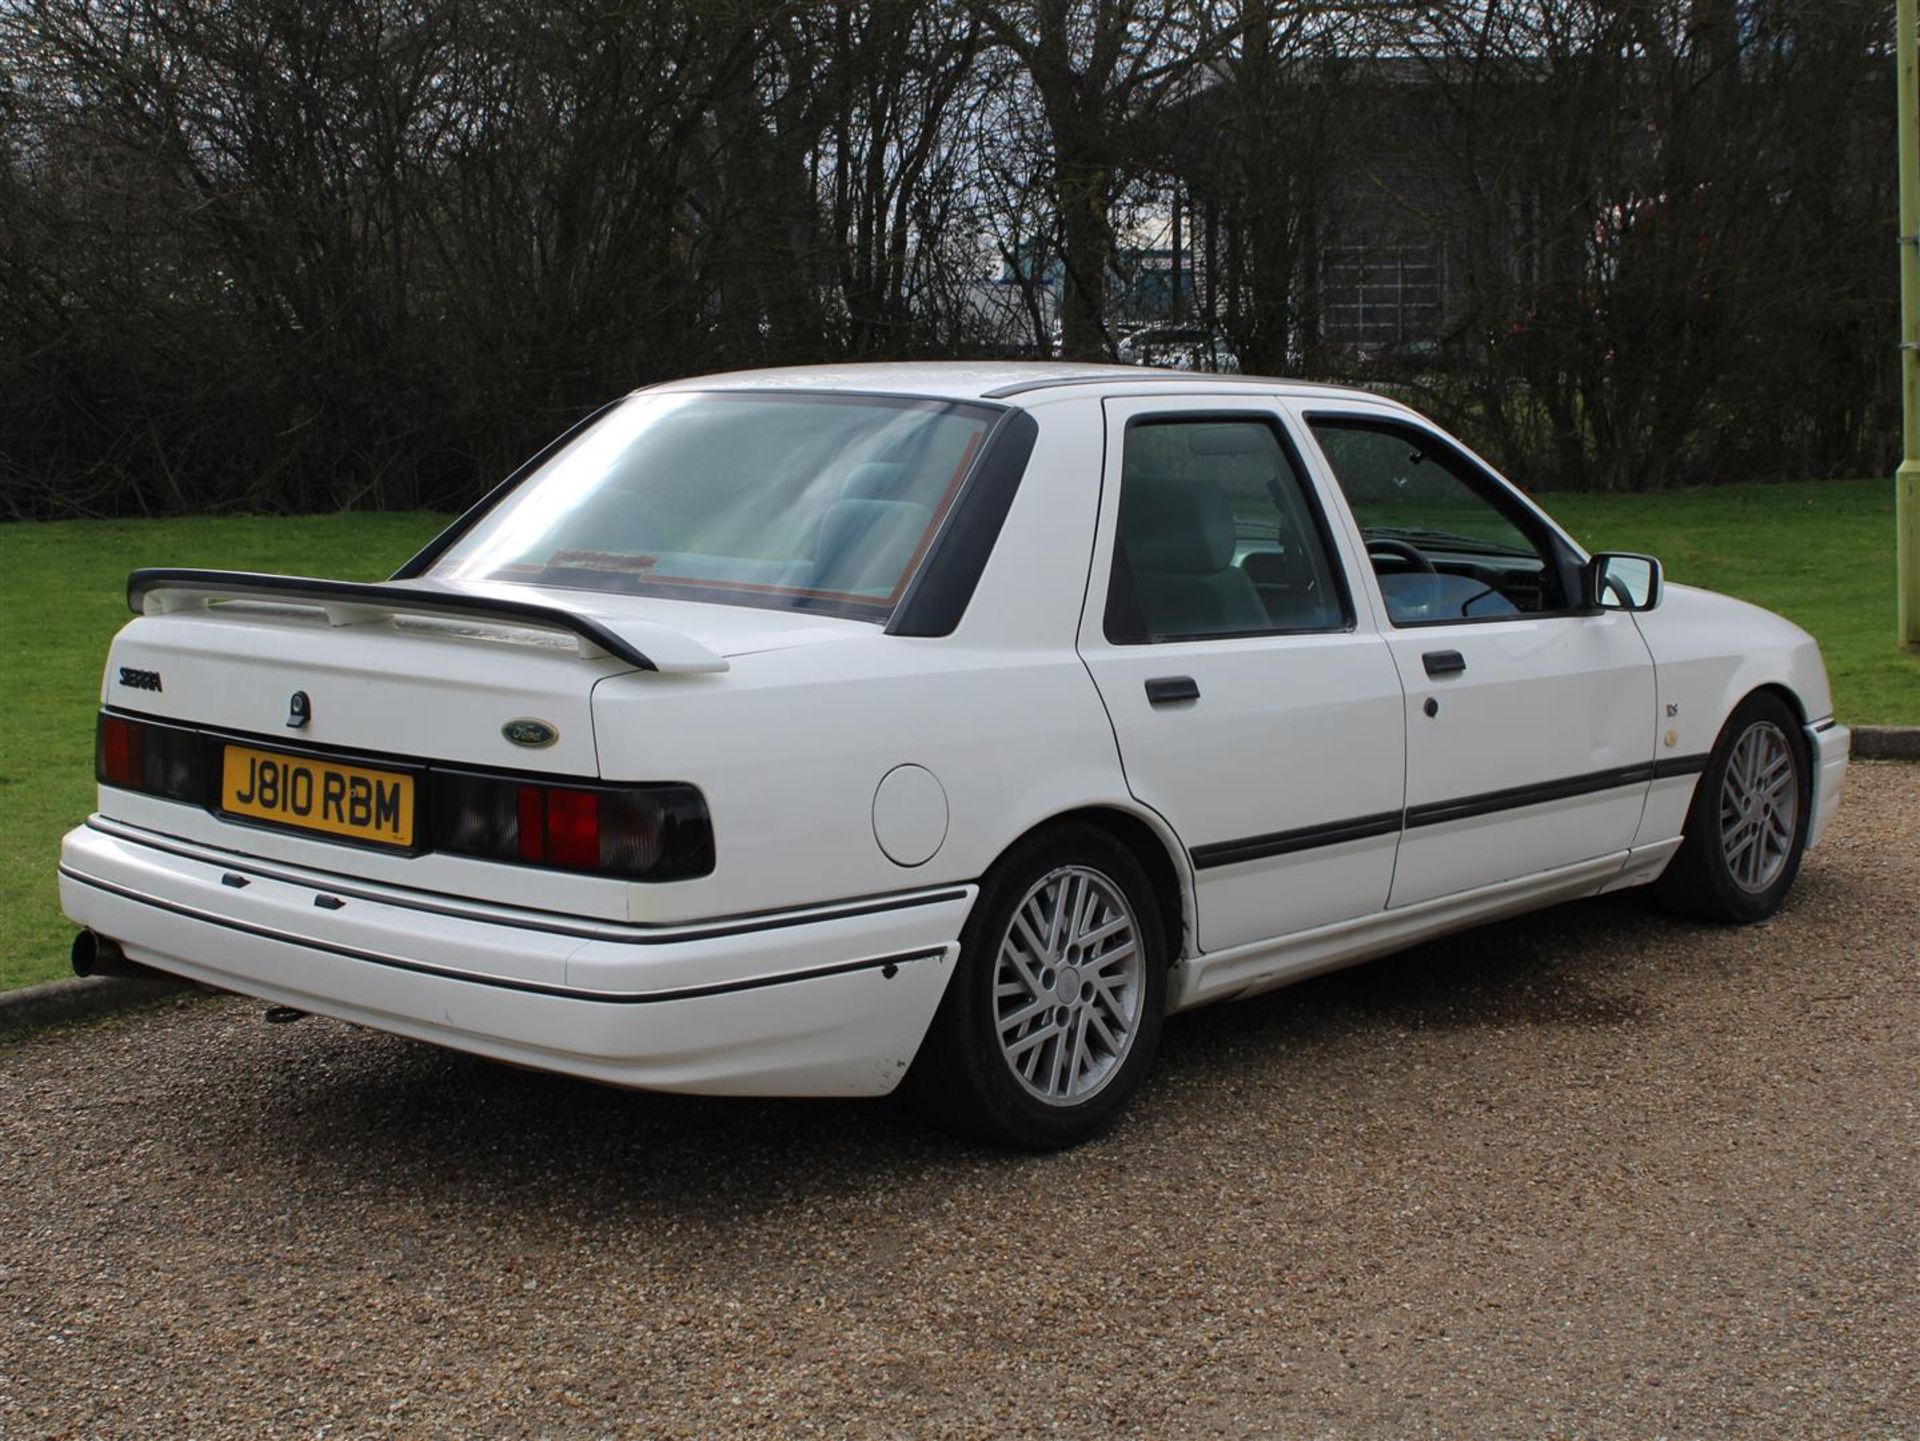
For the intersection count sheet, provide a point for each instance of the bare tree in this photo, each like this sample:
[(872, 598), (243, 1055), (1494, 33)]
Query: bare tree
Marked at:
[(1096, 66), (890, 159), (1626, 179), (355, 252)]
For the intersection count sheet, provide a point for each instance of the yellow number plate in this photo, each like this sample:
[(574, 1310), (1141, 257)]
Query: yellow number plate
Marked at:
[(318, 795)]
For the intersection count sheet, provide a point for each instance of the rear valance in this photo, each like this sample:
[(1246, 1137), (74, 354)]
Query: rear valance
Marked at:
[(645, 644)]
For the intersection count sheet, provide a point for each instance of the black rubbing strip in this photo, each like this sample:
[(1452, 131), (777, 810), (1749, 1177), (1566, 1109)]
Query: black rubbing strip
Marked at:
[(1280, 843), (1679, 766), (568, 993), (1438, 812), (636, 933)]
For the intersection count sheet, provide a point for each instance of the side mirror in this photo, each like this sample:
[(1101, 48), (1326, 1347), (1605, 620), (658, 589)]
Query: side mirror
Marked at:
[(1614, 580)]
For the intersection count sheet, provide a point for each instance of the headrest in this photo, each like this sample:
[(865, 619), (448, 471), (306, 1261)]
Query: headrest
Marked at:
[(1238, 439), (1185, 526), (865, 544), (875, 480)]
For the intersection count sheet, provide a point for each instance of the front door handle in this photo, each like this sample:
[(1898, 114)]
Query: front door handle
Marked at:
[(1444, 662), (1171, 689)]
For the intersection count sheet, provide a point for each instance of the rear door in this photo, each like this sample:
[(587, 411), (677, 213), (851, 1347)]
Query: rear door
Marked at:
[(1530, 727), (1253, 709)]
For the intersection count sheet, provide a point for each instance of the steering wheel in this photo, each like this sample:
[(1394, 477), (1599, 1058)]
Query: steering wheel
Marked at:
[(1412, 554)]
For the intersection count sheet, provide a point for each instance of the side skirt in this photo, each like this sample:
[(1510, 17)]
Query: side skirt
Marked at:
[(1267, 965)]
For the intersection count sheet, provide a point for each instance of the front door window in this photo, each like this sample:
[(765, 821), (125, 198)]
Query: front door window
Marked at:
[(1445, 543)]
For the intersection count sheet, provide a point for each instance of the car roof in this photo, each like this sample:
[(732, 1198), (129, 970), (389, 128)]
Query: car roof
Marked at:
[(992, 380)]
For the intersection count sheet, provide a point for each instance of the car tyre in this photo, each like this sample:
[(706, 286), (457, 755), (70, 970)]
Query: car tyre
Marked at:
[(1054, 1010), (1747, 826)]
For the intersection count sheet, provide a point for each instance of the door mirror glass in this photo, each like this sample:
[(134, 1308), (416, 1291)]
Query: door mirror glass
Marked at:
[(1623, 582)]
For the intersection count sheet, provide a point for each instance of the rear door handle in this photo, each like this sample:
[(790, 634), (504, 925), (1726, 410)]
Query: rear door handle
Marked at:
[(1444, 662), (1171, 689)]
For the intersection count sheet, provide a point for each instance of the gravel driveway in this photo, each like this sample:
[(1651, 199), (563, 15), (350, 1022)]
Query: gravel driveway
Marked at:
[(1586, 1174)]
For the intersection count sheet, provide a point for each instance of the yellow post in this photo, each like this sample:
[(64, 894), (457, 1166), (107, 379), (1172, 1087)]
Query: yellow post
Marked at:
[(1906, 485)]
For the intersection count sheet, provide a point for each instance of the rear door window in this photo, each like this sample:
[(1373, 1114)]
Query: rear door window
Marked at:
[(1218, 536)]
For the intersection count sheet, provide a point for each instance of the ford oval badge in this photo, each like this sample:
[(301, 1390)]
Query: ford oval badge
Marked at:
[(526, 731)]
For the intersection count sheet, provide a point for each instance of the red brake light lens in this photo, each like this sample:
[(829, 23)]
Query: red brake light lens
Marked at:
[(573, 829), (118, 762), (656, 832), (161, 760), (531, 818)]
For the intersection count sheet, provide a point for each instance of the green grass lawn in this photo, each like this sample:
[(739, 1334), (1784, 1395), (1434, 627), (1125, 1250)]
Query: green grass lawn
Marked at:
[(1818, 552), (62, 596), (1821, 553)]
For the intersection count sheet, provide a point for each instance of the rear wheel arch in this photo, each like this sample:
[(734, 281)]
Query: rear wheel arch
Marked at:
[(1157, 856), (1083, 981)]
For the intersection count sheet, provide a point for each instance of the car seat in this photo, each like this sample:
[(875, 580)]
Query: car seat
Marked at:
[(1179, 539)]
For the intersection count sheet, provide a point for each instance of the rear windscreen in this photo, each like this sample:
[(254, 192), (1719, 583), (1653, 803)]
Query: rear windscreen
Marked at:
[(807, 501)]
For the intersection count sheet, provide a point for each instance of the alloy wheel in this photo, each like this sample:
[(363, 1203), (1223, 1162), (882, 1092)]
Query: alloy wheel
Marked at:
[(1759, 807), (1068, 985)]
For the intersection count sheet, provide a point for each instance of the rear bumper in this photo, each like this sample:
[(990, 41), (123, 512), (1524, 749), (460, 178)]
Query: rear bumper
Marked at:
[(833, 1001), (1831, 746)]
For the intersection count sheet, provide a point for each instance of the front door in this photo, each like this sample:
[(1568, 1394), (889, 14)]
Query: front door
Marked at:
[(1531, 728), (1252, 711)]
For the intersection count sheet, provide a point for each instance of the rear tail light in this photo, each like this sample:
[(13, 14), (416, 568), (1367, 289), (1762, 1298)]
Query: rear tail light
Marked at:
[(160, 760), (652, 832), (644, 832), (573, 829)]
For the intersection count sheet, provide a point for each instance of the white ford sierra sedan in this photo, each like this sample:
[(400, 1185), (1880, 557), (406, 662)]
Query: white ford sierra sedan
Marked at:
[(813, 732)]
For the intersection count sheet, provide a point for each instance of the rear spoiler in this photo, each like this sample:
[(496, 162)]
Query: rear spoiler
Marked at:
[(346, 602)]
